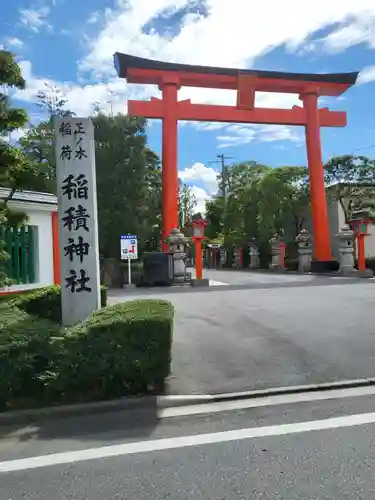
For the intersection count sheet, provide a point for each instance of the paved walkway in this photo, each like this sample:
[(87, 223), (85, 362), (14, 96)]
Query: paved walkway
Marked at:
[(275, 330)]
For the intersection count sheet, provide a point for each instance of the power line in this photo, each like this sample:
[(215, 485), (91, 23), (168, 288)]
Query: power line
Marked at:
[(364, 147), (369, 146), (224, 168)]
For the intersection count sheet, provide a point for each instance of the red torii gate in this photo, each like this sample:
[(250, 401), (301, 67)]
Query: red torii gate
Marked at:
[(171, 77)]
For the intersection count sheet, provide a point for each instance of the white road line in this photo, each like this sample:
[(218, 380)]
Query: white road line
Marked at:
[(183, 442), (241, 404), (217, 283)]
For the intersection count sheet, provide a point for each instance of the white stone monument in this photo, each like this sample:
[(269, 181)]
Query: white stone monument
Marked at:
[(77, 212)]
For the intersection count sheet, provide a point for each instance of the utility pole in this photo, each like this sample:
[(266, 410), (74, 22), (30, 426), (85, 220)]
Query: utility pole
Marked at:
[(224, 179)]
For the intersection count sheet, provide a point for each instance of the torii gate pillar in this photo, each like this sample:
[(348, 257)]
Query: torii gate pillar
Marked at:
[(322, 240), (170, 201)]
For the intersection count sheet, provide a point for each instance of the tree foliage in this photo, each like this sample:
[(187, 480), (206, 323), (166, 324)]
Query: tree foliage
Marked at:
[(128, 172), (16, 172), (260, 201), (187, 203), (52, 101), (128, 181), (351, 181), (37, 143)]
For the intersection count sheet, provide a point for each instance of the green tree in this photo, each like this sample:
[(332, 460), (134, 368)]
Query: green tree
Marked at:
[(215, 217), (187, 203), (285, 198), (242, 207), (52, 101), (128, 181), (351, 181), (16, 172), (260, 201), (37, 143)]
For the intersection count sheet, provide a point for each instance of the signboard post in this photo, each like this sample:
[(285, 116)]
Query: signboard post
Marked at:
[(77, 215), (129, 251)]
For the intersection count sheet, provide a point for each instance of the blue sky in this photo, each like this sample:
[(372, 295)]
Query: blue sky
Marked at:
[(70, 44)]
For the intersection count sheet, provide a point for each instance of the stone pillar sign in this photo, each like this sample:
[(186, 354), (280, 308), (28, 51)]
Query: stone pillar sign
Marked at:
[(77, 212)]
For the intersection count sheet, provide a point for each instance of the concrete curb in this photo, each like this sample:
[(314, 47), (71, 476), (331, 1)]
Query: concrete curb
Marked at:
[(154, 403), (173, 401)]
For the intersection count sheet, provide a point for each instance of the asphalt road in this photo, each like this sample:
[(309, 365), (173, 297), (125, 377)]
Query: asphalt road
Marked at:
[(321, 450), (268, 331)]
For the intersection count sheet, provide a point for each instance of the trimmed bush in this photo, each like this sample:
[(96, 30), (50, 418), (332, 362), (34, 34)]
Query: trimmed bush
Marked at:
[(121, 349), (27, 356), (46, 302)]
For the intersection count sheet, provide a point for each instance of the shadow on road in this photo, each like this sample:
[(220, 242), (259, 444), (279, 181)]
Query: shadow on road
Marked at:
[(314, 281), (113, 425)]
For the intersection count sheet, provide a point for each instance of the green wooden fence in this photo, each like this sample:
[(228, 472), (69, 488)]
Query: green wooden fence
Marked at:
[(19, 244)]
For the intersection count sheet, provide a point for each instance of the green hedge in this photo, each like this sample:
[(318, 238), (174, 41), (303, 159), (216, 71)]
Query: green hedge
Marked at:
[(27, 355), (46, 302), (119, 350), (123, 348)]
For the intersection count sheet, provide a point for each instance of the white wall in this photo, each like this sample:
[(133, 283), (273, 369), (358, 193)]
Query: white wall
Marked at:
[(39, 215), (44, 246)]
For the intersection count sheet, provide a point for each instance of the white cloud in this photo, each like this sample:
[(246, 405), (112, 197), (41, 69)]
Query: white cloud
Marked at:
[(233, 34), (94, 17), (81, 98), (361, 29), (206, 177), (198, 172), (201, 196), (13, 42), (15, 135), (35, 18), (236, 135), (367, 75)]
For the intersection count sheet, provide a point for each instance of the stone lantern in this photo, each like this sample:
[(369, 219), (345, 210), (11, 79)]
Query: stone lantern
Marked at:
[(305, 250), (176, 245), (254, 261), (223, 256), (345, 238), (275, 242)]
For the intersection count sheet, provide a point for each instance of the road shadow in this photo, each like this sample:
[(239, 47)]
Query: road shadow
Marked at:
[(318, 280), (132, 423)]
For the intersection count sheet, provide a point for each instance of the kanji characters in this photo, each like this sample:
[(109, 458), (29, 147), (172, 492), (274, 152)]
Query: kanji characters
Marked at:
[(76, 283), (79, 249), (75, 187), (76, 218)]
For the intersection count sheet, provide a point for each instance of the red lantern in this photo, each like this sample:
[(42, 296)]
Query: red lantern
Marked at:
[(198, 235), (360, 225)]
